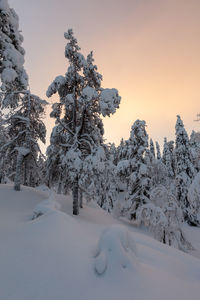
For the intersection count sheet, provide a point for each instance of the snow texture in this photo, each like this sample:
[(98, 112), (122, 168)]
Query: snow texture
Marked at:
[(109, 101), (4, 5), (13, 75), (51, 257), (46, 206), (8, 75)]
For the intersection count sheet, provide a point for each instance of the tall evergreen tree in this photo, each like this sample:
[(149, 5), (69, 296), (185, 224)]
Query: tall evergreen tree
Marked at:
[(134, 171), (194, 200), (185, 171), (195, 149), (168, 157), (25, 128), (13, 75), (158, 154), (152, 149), (82, 101), (23, 109)]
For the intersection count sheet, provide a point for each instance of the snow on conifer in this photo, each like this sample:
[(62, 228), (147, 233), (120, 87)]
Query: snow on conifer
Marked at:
[(133, 171), (194, 200), (13, 75), (185, 171), (195, 149), (152, 149), (22, 110), (158, 154), (168, 157), (82, 101), (25, 128), (163, 217)]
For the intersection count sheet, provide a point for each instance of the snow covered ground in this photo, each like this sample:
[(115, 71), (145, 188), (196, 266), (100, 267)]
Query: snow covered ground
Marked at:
[(89, 257)]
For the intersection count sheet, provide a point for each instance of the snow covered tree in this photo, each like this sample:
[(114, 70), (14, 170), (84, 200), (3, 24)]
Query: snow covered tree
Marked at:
[(25, 128), (24, 110), (54, 167), (158, 155), (163, 217), (157, 169), (97, 178), (152, 149), (13, 75), (168, 157), (78, 114), (134, 171), (123, 151), (185, 171), (194, 200), (158, 173), (99, 171), (195, 149)]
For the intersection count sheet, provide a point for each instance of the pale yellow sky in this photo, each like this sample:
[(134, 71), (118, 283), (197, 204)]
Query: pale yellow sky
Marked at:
[(147, 49)]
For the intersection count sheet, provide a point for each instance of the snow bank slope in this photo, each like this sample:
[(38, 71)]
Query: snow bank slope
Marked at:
[(55, 256)]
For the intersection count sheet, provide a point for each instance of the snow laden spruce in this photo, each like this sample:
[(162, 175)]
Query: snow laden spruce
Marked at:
[(13, 75), (22, 110), (78, 134), (148, 195), (185, 171), (133, 171)]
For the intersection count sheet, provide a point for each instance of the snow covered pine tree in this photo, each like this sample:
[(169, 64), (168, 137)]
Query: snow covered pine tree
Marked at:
[(79, 128), (163, 217), (24, 110), (158, 155), (185, 171), (134, 172), (13, 75), (168, 157), (152, 149)]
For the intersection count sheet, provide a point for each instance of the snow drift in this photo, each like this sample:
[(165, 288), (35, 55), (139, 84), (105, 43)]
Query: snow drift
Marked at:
[(52, 257)]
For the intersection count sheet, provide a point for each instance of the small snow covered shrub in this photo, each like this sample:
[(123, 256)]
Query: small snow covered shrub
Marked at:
[(153, 218), (116, 248), (163, 217), (46, 206)]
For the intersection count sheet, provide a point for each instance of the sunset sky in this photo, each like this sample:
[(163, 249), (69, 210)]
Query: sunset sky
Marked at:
[(148, 49)]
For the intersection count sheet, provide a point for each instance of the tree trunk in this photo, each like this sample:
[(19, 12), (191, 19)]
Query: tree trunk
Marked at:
[(80, 199), (17, 181), (25, 172), (1, 172), (59, 185), (75, 198)]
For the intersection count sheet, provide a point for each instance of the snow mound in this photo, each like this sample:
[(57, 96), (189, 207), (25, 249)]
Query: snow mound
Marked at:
[(50, 258), (46, 206), (43, 188), (116, 248)]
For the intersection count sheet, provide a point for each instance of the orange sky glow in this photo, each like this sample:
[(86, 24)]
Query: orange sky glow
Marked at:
[(149, 50)]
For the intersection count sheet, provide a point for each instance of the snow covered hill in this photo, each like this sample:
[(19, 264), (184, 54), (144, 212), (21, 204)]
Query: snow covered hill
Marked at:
[(90, 257)]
